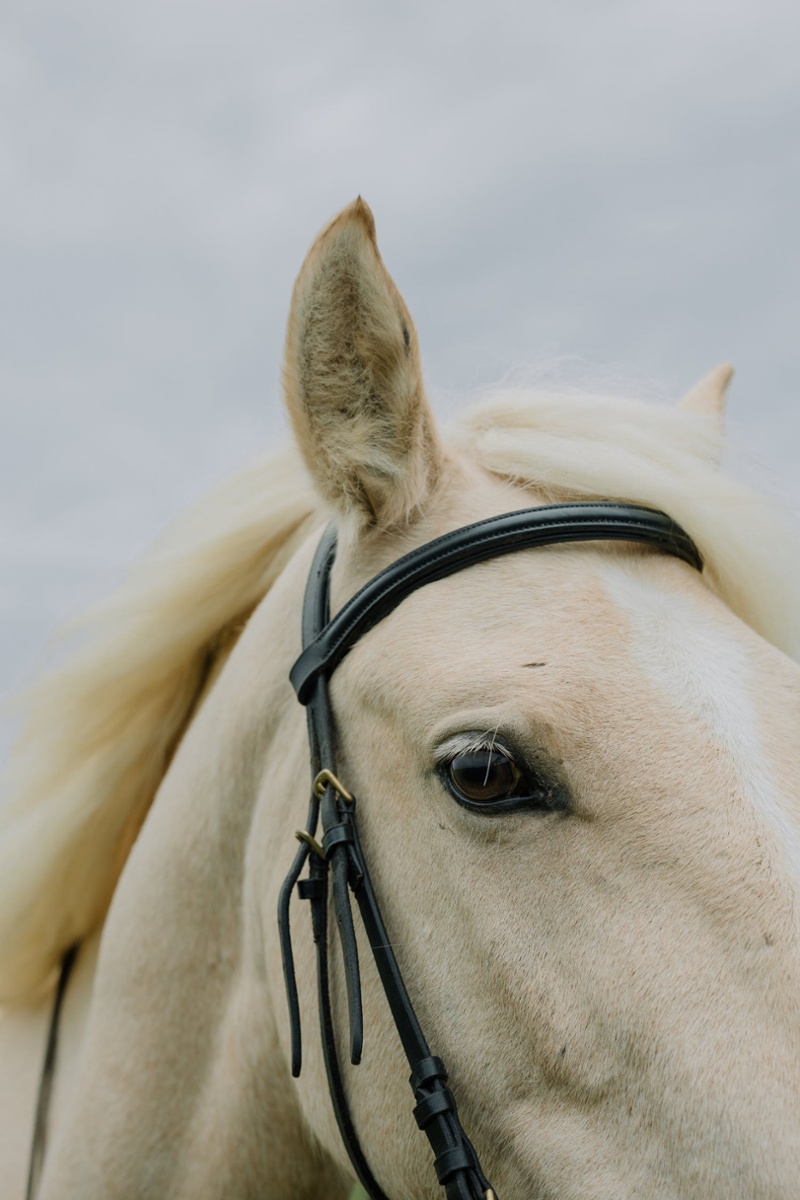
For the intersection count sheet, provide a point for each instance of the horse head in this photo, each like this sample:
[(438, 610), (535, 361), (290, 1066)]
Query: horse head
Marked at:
[(578, 792), (577, 777)]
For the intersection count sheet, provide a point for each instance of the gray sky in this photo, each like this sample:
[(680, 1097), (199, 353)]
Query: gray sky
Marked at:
[(618, 181)]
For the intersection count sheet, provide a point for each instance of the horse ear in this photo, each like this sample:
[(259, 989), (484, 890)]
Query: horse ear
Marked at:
[(353, 381), (708, 395)]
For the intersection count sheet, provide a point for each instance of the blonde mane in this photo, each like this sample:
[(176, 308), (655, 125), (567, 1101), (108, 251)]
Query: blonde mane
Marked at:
[(587, 446), (99, 734)]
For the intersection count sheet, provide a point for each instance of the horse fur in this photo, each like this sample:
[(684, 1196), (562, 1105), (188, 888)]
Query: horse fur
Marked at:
[(100, 733), (353, 380), (622, 1010)]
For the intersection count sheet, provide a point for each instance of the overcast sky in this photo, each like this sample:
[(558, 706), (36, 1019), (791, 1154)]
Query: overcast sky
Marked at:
[(618, 181)]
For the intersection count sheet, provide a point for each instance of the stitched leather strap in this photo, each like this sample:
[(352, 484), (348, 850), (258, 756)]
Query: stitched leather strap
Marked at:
[(544, 526)]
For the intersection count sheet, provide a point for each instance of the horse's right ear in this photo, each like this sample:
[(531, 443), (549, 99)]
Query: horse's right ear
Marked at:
[(353, 381), (708, 396)]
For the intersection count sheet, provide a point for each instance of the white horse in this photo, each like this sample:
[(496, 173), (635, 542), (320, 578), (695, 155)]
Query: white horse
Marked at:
[(613, 980)]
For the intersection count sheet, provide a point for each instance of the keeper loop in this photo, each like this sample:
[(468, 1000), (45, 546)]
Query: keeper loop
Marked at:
[(312, 889), (426, 1070), (432, 1106), (335, 835), (450, 1161)]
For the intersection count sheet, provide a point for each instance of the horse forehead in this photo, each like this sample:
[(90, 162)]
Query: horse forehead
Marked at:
[(516, 600), (479, 636), (696, 659), (700, 659), (599, 615)]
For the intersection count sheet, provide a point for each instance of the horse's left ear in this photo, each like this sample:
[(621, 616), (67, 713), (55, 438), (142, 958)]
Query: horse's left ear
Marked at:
[(708, 395), (353, 381)]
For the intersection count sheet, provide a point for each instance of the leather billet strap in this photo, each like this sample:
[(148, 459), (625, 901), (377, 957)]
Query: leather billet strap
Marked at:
[(338, 866)]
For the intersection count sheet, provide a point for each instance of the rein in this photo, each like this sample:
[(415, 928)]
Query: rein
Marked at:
[(337, 863)]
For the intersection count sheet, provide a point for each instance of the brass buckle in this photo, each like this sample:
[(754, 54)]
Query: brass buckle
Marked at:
[(326, 779), (303, 835)]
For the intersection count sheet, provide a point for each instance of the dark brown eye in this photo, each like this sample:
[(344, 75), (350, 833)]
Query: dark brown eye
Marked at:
[(484, 776), (492, 780)]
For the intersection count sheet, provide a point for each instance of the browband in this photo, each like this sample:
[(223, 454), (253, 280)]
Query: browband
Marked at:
[(544, 526), (337, 864)]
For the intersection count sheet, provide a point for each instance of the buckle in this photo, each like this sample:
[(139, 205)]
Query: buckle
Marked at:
[(327, 779)]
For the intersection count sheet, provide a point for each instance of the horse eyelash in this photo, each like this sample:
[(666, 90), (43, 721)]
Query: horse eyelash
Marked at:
[(470, 744), (491, 755)]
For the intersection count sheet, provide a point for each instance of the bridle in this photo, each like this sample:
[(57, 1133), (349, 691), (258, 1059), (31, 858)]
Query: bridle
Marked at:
[(337, 863), (325, 643)]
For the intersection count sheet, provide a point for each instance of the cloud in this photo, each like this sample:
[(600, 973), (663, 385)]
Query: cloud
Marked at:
[(616, 180)]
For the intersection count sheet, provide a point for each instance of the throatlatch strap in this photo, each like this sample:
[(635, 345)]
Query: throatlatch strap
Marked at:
[(340, 857), (39, 1142)]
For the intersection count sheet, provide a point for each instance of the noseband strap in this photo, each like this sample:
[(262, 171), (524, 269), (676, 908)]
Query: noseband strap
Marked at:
[(337, 865)]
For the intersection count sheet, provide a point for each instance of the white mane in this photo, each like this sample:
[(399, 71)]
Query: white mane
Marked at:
[(99, 734)]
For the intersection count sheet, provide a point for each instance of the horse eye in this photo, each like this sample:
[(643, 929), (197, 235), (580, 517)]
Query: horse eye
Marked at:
[(484, 776)]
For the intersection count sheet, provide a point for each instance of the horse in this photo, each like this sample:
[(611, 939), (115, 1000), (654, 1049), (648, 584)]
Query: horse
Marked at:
[(578, 777)]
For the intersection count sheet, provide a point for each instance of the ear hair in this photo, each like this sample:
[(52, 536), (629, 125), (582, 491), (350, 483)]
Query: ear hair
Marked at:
[(353, 381)]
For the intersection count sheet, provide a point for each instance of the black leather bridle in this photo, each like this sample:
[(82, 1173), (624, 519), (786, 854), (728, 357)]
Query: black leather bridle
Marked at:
[(339, 857)]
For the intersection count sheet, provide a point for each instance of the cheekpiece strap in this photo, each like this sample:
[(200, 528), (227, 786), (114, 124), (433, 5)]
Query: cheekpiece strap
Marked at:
[(336, 867)]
